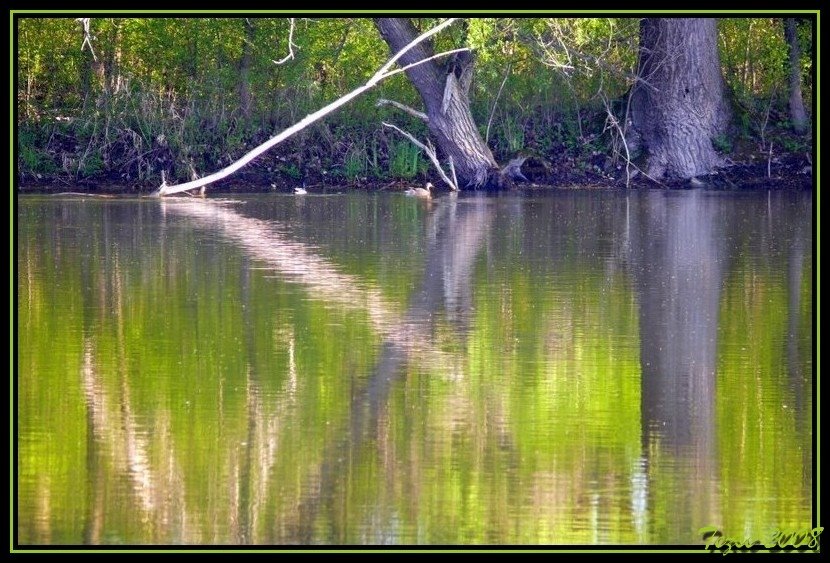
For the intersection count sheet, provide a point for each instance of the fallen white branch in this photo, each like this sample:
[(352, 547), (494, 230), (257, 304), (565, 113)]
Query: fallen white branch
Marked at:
[(87, 36), (291, 45), (404, 108), (430, 152), (381, 74), (612, 123)]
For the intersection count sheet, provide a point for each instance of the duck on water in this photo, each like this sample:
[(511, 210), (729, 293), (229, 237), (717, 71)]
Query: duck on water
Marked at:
[(425, 192)]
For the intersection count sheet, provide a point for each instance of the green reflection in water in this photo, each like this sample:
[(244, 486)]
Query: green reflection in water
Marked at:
[(766, 369), (376, 370)]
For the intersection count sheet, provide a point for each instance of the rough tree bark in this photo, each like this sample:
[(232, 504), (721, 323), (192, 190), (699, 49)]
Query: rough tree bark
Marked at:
[(798, 115), (444, 90), (678, 104)]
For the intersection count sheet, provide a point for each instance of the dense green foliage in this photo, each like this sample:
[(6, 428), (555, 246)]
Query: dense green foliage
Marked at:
[(192, 94)]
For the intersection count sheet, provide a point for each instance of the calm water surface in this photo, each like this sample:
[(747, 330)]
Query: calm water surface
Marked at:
[(578, 368)]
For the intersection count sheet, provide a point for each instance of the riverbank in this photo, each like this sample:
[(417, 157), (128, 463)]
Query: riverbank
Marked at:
[(788, 171)]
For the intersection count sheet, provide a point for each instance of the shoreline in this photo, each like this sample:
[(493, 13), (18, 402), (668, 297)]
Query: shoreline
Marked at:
[(786, 172)]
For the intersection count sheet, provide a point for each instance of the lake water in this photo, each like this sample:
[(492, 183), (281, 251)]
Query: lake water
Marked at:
[(583, 367)]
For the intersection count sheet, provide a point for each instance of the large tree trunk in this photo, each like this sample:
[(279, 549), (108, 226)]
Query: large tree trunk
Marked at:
[(798, 115), (678, 104), (444, 91)]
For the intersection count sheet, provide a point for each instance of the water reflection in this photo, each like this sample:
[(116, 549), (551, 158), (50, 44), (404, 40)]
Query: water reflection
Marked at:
[(677, 259), (298, 262), (600, 368), (677, 255), (455, 239), (681, 248)]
